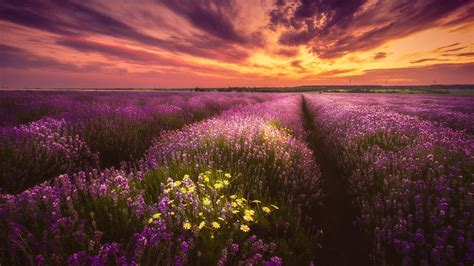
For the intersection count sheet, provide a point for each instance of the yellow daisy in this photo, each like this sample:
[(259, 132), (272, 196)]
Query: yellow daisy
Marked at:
[(244, 228), (187, 225)]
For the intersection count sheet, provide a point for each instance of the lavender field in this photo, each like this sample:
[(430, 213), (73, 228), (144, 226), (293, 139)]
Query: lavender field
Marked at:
[(182, 178)]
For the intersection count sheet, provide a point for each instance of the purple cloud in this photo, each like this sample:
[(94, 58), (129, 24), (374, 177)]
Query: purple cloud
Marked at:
[(17, 58), (380, 55), (335, 28), (214, 17), (75, 19), (428, 60)]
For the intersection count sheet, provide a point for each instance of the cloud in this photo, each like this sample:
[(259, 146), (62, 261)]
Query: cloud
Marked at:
[(468, 54), (447, 46), (454, 49), (214, 17), (75, 19), (70, 18), (133, 55), (335, 28), (297, 64), (427, 60), (465, 54), (17, 58), (450, 48), (287, 52), (140, 57), (380, 55)]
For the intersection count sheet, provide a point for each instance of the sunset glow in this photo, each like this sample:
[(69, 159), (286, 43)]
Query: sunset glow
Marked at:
[(221, 43)]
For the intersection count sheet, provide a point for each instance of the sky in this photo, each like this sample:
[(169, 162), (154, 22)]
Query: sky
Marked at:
[(235, 43)]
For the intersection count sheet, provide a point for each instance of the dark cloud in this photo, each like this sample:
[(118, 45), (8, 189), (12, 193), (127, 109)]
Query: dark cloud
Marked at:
[(465, 54), (380, 55), (17, 58), (208, 47), (447, 46), (214, 17), (297, 64), (287, 52), (454, 49), (69, 18), (427, 60), (450, 48), (335, 28), (76, 19), (468, 54)]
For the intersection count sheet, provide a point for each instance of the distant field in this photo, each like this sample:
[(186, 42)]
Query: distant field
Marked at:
[(140, 177)]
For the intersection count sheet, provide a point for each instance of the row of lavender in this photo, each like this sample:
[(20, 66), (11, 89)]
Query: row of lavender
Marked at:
[(84, 131), (235, 189), (453, 111), (411, 178)]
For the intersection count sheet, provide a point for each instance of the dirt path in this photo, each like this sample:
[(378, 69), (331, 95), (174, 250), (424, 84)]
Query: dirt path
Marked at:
[(343, 243)]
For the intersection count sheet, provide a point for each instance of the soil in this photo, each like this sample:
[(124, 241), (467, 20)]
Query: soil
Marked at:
[(343, 243)]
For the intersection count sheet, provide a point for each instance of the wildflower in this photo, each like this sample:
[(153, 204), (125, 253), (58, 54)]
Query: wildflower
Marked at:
[(186, 177), (244, 228), (191, 189), (216, 225), (266, 209), (200, 214), (278, 261), (248, 218), (227, 175), (187, 225), (182, 190), (157, 215), (226, 183), (150, 220), (206, 201), (218, 185), (201, 225), (256, 201), (249, 212), (206, 179), (248, 215), (233, 196), (177, 183)]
